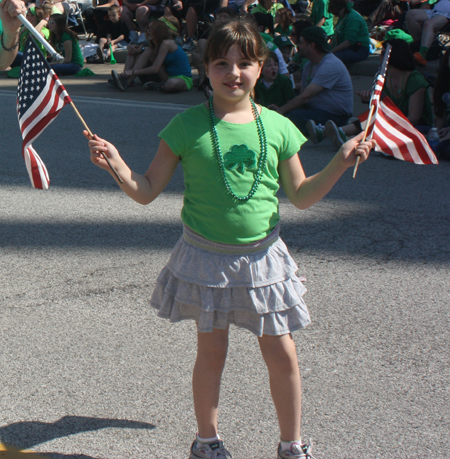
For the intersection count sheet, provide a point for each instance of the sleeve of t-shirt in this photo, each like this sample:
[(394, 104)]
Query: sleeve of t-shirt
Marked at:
[(174, 134), (327, 75), (292, 141)]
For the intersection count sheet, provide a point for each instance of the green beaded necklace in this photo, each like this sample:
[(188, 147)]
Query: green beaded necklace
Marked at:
[(262, 157)]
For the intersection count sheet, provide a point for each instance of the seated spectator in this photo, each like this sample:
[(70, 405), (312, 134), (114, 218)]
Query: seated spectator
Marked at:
[(351, 41), (321, 17), (38, 17), (141, 11), (162, 66), (273, 88), (97, 14), (194, 9), (265, 6), (65, 42), (441, 97), (404, 85), (424, 24), (284, 19), (326, 89), (264, 23), (113, 34)]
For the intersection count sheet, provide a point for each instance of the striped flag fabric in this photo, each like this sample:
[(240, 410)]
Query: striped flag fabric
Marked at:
[(40, 97), (396, 136)]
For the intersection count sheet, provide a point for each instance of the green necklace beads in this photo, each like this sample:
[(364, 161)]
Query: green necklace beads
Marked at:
[(262, 157)]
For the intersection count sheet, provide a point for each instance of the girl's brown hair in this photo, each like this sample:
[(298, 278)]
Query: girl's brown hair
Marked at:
[(61, 27), (286, 18), (235, 31), (159, 32)]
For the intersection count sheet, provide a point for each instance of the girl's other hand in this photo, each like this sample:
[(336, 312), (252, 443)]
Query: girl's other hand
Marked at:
[(354, 147), (98, 147)]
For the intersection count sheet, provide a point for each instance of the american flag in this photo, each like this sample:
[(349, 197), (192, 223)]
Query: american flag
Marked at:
[(396, 136), (377, 88), (40, 97)]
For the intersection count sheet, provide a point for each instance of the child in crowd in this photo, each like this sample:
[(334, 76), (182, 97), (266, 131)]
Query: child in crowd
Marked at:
[(65, 42), (284, 19), (113, 34), (163, 59), (230, 266), (273, 88)]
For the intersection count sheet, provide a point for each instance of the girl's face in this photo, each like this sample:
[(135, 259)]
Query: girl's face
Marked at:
[(233, 76), (51, 25), (270, 70)]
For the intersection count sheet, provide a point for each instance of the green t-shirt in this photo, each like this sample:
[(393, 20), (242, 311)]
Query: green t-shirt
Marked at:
[(320, 11), (414, 82), (77, 55), (352, 27), (208, 209), (279, 93), (273, 9), (25, 33)]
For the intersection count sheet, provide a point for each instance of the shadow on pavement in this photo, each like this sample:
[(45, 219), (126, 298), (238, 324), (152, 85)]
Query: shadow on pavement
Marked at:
[(27, 434)]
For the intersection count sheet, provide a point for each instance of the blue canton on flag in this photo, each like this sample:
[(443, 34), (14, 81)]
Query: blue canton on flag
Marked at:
[(40, 97)]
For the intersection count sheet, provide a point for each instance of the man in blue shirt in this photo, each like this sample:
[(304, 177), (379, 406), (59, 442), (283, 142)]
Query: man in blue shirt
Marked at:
[(9, 30)]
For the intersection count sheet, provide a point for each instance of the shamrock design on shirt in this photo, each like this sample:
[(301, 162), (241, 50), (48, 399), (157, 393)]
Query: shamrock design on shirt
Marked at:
[(240, 158)]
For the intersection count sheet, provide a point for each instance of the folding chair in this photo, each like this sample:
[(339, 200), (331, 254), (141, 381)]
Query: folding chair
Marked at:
[(74, 15)]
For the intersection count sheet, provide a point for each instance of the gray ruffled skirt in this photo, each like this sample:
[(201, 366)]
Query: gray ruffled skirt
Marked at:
[(253, 286)]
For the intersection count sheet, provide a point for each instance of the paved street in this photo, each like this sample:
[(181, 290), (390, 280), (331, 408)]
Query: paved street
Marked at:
[(89, 372)]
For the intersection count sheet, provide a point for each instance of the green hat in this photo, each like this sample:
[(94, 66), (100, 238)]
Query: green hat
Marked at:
[(398, 34), (317, 35), (281, 41)]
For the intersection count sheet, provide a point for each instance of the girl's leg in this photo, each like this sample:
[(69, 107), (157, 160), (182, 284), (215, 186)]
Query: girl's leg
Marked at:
[(430, 28), (414, 20), (280, 356), (211, 355), (139, 61)]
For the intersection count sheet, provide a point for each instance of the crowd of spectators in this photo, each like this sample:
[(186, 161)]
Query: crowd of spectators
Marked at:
[(312, 45)]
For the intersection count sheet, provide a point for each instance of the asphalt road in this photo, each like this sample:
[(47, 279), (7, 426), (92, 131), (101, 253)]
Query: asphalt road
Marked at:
[(87, 369)]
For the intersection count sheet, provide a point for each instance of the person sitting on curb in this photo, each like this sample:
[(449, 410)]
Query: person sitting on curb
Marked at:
[(162, 66), (326, 90)]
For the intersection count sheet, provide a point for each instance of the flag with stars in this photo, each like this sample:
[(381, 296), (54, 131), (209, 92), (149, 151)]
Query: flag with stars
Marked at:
[(40, 97)]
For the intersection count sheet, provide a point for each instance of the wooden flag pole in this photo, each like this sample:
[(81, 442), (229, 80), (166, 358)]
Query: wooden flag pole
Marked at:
[(358, 158), (92, 136)]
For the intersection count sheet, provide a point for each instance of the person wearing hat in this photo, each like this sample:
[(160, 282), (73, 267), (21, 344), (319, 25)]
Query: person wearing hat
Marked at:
[(326, 89), (9, 30)]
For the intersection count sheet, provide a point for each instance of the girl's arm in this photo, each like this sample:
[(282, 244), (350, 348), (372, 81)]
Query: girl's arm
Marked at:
[(157, 63), (304, 191), (415, 106), (142, 188), (67, 51)]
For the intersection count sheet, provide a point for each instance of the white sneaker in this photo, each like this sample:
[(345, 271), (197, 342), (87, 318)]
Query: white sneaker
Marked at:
[(297, 451), (212, 450), (335, 134)]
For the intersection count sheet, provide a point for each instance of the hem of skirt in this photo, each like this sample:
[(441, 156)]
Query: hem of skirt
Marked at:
[(194, 318)]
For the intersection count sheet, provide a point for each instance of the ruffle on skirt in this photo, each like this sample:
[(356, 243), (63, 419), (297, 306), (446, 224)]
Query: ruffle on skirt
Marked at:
[(258, 291)]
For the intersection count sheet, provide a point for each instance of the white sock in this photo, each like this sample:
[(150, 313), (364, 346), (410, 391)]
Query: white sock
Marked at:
[(207, 440), (286, 445)]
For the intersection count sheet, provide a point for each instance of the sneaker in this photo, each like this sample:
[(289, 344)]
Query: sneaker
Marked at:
[(101, 56), (213, 450), (189, 44), (120, 81), (335, 134), (112, 82), (315, 131), (297, 451), (419, 59), (153, 85)]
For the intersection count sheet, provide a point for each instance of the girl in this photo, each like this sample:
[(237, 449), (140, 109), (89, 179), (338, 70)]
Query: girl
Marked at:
[(283, 20), (65, 42), (163, 58), (230, 266)]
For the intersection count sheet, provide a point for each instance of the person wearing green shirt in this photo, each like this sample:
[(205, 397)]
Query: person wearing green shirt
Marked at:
[(65, 42), (321, 17), (351, 42), (267, 6), (9, 30)]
